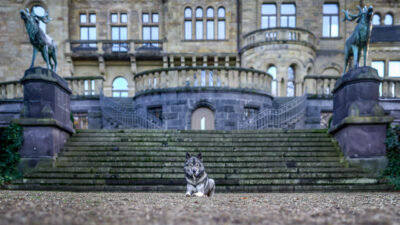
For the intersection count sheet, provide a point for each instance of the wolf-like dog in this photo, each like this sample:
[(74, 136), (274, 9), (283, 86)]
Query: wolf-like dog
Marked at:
[(198, 183)]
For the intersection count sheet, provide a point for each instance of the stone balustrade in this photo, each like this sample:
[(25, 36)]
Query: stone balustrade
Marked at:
[(11, 90), (112, 46), (390, 87), (280, 34), (186, 77), (85, 86)]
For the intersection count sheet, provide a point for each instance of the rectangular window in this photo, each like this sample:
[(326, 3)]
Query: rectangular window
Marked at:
[(92, 18), (83, 18), (210, 29), (124, 18), (199, 30), (379, 66), (155, 112), (155, 17), (88, 32), (330, 20), (268, 15), (114, 18), (188, 30), (145, 18), (221, 29), (249, 112), (288, 15), (119, 33), (394, 69)]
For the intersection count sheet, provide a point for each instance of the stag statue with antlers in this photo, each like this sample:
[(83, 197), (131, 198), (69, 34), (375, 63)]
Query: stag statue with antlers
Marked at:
[(358, 41), (39, 39)]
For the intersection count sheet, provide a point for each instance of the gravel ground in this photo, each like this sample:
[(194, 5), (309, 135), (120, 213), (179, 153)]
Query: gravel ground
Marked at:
[(28, 207)]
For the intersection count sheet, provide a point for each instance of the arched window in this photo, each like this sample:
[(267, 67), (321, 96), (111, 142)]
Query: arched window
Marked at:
[(221, 23), (290, 89), (188, 23), (199, 23), (120, 87), (376, 20), (39, 11), (388, 19), (203, 119), (210, 23), (272, 70)]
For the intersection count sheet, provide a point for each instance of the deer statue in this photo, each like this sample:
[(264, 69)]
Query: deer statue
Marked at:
[(39, 39), (359, 38)]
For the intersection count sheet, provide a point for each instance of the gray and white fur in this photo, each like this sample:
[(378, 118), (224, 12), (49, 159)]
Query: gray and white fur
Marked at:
[(198, 183)]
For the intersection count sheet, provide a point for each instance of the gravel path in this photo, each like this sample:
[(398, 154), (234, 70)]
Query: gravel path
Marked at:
[(27, 207)]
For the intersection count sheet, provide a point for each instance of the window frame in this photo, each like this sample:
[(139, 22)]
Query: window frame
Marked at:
[(221, 20), (288, 15), (88, 25), (331, 15), (268, 16), (392, 18), (120, 91)]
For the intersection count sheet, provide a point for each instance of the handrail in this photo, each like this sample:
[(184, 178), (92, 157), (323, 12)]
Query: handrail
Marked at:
[(126, 116), (285, 116)]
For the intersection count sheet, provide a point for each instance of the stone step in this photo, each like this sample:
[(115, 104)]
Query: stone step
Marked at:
[(152, 131), (117, 148), (182, 154), (336, 175), (207, 159), (219, 189), (200, 140), (219, 165), (210, 170), (182, 181), (202, 144), (202, 135)]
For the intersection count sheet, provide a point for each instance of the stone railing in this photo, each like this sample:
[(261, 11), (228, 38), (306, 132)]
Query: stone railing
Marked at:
[(279, 34), (11, 90), (323, 86), (319, 85), (85, 86), (112, 46), (224, 77)]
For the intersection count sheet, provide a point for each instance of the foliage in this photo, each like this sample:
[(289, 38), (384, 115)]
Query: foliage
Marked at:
[(11, 139), (392, 171)]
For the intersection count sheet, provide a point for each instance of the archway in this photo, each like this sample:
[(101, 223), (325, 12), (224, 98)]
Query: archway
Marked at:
[(203, 119)]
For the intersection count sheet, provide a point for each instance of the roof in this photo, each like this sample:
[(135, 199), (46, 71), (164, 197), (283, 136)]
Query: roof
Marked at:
[(385, 34)]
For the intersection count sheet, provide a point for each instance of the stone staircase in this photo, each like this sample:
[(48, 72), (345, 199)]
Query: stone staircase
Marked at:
[(239, 161)]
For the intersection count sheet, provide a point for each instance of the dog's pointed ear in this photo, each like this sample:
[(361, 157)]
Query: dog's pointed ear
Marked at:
[(200, 157), (187, 155)]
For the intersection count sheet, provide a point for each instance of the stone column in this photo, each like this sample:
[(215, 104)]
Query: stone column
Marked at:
[(359, 123), (45, 116)]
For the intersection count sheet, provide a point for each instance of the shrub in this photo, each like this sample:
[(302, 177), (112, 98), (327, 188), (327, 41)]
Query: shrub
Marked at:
[(392, 171), (11, 139)]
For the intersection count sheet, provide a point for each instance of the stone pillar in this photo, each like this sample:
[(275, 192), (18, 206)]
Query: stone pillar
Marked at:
[(359, 123), (45, 116)]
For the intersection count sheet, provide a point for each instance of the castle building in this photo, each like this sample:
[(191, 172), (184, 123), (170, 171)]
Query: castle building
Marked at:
[(185, 64)]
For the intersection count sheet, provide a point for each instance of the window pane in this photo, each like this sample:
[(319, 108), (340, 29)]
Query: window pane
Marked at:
[(155, 17), (221, 29), (292, 21), (290, 73), (120, 84), (124, 94), (272, 71), (154, 33), (92, 33), (394, 69), (210, 30), (84, 33), (199, 29), (264, 22), (210, 12), (123, 33), (203, 78), (115, 33), (272, 21), (188, 30), (114, 18), (145, 18), (330, 9), (124, 18), (92, 18), (82, 18), (388, 19), (268, 9), (325, 26), (146, 33), (376, 20), (284, 22), (199, 12), (288, 9), (379, 66), (221, 12), (335, 26), (188, 13)]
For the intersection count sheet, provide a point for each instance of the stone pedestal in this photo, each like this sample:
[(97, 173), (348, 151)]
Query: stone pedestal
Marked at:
[(45, 116), (359, 123)]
